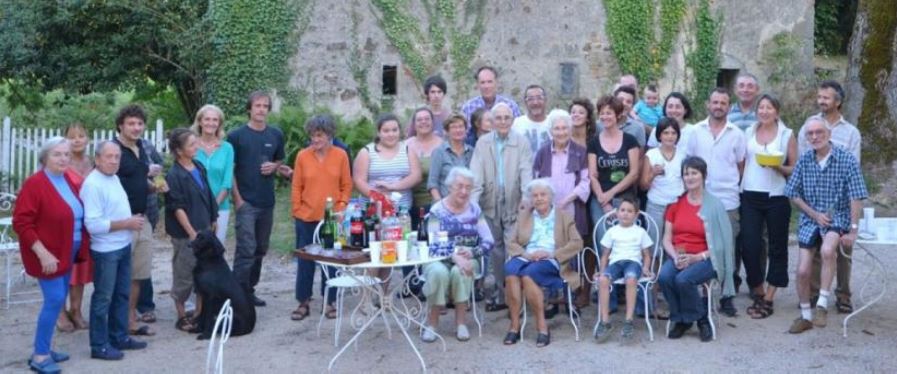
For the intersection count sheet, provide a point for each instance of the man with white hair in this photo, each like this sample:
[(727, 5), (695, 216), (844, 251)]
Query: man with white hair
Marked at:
[(502, 165), (827, 186)]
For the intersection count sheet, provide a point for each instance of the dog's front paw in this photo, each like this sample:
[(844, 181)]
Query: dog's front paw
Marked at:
[(203, 337)]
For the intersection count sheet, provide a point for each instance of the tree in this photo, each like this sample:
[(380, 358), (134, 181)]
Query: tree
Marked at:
[(99, 45)]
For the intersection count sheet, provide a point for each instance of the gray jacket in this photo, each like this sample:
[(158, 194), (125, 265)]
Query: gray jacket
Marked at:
[(518, 171)]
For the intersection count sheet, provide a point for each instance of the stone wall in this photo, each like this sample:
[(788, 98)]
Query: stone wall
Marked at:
[(528, 41)]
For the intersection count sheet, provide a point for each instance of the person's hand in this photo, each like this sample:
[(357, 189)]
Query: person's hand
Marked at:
[(285, 171), (657, 169), (682, 261), (238, 202), (268, 168), (568, 200), (135, 223), (383, 187), (465, 253), (525, 205), (162, 187), (192, 235), (646, 272), (822, 219), (48, 262), (540, 254), (604, 198), (848, 239), (154, 170)]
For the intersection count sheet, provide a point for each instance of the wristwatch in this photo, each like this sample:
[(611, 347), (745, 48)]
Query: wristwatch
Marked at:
[(853, 226)]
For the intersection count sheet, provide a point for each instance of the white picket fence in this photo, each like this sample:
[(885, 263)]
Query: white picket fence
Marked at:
[(19, 149)]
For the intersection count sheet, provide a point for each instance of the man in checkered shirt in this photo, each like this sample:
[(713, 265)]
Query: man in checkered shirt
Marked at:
[(827, 186)]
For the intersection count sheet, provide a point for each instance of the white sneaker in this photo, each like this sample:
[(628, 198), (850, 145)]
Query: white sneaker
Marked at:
[(428, 335), (462, 334)]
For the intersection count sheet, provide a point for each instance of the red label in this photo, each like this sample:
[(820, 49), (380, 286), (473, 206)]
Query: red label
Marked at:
[(357, 227)]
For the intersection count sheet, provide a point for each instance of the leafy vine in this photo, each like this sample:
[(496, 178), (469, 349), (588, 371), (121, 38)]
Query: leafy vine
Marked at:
[(703, 60), (634, 37)]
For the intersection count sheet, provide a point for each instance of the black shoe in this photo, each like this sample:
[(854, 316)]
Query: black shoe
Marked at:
[(479, 295), (129, 345), (256, 301), (678, 330), (704, 330), (108, 353), (726, 307), (551, 312)]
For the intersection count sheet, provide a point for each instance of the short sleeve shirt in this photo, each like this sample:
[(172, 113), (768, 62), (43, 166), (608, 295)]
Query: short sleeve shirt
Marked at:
[(613, 167), (626, 243), (688, 227), (251, 149)]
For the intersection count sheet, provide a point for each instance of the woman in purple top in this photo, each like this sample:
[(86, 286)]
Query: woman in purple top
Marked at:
[(565, 165), (470, 234)]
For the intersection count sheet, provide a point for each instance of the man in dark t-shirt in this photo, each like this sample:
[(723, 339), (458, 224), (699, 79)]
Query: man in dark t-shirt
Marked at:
[(258, 153)]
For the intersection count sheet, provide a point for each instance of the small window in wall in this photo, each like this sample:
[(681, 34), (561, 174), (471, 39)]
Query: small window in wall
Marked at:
[(726, 78), (569, 80), (390, 77)]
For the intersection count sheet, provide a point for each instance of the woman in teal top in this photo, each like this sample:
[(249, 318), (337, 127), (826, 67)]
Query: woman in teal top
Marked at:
[(217, 156)]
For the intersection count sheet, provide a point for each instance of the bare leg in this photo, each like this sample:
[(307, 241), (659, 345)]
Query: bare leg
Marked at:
[(604, 297), (770, 293), (76, 296), (433, 315), (132, 305), (829, 250), (536, 301), (512, 298), (631, 288), (461, 313), (804, 273)]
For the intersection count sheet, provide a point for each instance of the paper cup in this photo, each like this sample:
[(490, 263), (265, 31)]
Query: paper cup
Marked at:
[(403, 251), (375, 252), (423, 251)]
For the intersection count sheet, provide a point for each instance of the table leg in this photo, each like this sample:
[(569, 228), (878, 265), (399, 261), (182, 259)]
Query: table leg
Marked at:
[(878, 266)]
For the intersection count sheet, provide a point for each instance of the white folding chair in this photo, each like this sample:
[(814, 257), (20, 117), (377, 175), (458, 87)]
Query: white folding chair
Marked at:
[(711, 310), (472, 300), (225, 321), (9, 247), (604, 223), (342, 283), (571, 311)]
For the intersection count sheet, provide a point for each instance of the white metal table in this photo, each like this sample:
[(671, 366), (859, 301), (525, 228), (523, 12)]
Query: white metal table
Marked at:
[(400, 314), (885, 235)]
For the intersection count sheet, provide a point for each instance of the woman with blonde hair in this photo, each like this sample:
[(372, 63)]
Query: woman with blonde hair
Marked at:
[(217, 156)]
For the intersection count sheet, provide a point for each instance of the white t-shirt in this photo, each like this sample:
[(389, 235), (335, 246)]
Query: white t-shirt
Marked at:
[(105, 201), (684, 133), (722, 153), (758, 178), (536, 133), (666, 188), (626, 243)]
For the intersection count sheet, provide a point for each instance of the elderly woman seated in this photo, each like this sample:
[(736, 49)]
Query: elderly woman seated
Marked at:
[(540, 248), (453, 277)]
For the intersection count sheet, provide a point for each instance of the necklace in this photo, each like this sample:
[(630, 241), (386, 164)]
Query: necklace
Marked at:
[(208, 147)]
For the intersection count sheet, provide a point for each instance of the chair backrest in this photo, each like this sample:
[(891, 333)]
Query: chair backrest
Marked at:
[(7, 201), (225, 321), (315, 237), (609, 220)]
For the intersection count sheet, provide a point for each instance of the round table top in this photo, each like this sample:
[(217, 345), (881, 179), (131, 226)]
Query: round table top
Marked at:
[(380, 265), (882, 225)]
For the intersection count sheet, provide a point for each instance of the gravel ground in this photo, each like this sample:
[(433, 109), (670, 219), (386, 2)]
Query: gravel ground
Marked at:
[(281, 345)]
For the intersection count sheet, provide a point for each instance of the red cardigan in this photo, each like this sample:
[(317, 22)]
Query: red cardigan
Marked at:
[(42, 214)]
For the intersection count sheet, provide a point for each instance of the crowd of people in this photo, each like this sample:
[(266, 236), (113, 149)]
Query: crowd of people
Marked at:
[(520, 188)]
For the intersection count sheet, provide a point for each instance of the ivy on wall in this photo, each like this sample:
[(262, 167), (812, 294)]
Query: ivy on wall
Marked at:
[(703, 60), (876, 124), (252, 43), (641, 47), (450, 37)]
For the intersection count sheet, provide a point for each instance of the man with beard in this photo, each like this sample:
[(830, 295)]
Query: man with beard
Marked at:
[(722, 145)]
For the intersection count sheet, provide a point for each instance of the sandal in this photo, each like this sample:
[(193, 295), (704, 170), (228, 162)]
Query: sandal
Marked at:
[(186, 324), (761, 309), (844, 306), (300, 313), (142, 331), (330, 312), (543, 339), (78, 321), (511, 338), (65, 324), (148, 317)]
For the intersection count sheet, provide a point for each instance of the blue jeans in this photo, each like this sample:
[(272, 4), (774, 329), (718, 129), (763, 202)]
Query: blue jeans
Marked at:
[(109, 302), (623, 269), (54, 291), (305, 274), (680, 288)]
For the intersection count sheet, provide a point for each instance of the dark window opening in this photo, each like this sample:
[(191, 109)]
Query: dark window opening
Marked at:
[(569, 80), (390, 77), (726, 78)]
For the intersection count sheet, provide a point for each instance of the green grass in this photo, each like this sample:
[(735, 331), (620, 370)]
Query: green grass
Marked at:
[(283, 236)]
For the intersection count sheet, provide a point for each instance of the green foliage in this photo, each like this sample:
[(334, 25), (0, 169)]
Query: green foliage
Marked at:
[(878, 127), (833, 25), (251, 43), (703, 60), (631, 30), (103, 45), (356, 133)]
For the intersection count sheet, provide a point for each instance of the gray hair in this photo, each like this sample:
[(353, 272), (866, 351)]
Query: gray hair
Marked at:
[(747, 75), (323, 123), (202, 112), (538, 183), (458, 172), (98, 150), (47, 146), (560, 115), (501, 105)]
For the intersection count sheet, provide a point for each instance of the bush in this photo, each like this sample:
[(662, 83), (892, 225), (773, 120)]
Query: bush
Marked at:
[(356, 133)]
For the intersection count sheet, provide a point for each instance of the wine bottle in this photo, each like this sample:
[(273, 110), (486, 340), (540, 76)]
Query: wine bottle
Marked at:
[(422, 232), (328, 234)]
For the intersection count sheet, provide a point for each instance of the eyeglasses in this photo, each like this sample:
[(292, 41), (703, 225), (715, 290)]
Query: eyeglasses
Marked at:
[(813, 133), (467, 188), (534, 98)]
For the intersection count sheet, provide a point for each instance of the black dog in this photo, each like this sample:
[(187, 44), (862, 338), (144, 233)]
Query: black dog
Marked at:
[(215, 283)]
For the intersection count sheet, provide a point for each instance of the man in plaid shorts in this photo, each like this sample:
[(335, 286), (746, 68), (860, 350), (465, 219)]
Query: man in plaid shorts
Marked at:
[(827, 186)]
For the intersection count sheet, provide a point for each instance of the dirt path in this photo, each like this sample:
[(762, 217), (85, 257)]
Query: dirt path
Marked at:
[(281, 345)]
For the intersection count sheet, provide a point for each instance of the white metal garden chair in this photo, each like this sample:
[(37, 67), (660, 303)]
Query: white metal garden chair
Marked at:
[(607, 221), (572, 312), (224, 320)]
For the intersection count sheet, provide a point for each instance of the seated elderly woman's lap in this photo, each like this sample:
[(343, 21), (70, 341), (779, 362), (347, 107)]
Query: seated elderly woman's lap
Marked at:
[(544, 272), (444, 280)]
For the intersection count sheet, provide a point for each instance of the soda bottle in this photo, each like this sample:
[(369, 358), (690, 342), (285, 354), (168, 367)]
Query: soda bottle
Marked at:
[(405, 220), (356, 229)]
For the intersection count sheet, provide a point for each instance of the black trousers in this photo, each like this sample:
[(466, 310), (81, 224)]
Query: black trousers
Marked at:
[(758, 209)]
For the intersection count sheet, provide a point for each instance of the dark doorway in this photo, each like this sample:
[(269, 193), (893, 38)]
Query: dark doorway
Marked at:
[(726, 78), (390, 78)]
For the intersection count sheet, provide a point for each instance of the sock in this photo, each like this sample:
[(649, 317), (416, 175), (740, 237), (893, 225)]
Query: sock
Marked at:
[(823, 299), (805, 311)]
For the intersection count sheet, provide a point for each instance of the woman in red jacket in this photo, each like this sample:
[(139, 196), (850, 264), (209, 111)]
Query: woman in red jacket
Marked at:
[(48, 219)]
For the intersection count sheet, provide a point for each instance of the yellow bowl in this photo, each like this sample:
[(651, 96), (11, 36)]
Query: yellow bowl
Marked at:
[(770, 159)]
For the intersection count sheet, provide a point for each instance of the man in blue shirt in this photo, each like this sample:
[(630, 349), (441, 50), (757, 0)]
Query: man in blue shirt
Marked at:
[(487, 84), (744, 112), (827, 186)]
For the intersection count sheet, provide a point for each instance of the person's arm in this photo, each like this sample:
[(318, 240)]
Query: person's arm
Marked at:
[(486, 240), (602, 262), (668, 239), (297, 186), (182, 219), (822, 219), (433, 181), (345, 184), (525, 169), (228, 178), (581, 190), (635, 155), (593, 175), (790, 159), (646, 261), (413, 178), (574, 240), (360, 172), (477, 167), (646, 178)]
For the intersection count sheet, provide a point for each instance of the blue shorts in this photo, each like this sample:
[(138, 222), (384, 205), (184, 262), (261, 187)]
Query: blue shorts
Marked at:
[(815, 241), (623, 268), (543, 272)]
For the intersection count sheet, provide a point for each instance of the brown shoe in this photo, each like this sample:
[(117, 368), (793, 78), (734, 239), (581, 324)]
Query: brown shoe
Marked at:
[(820, 317), (800, 325)]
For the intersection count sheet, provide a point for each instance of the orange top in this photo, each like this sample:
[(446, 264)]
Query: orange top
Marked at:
[(315, 179)]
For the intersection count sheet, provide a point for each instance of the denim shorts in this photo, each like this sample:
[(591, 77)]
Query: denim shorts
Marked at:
[(816, 240), (623, 268)]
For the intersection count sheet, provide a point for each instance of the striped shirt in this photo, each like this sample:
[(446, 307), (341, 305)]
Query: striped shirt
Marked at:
[(390, 170)]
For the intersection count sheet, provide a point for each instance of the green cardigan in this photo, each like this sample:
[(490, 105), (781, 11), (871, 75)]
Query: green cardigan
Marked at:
[(720, 241)]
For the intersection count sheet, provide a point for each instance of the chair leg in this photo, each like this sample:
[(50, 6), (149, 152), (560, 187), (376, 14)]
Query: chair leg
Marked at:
[(710, 309), (647, 319), (323, 306), (523, 323), (570, 312), (8, 280), (473, 307), (340, 299)]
